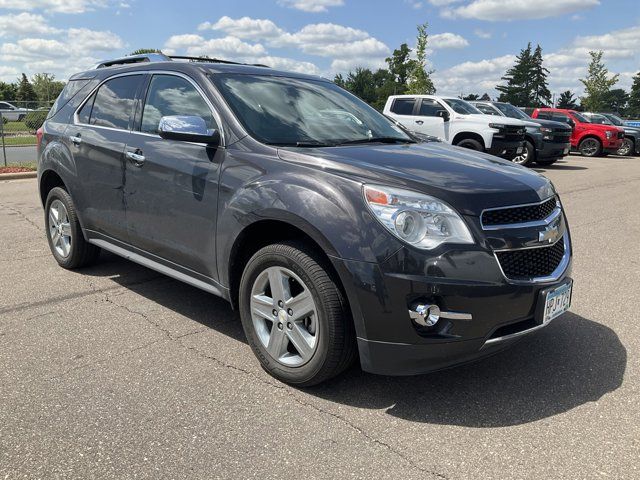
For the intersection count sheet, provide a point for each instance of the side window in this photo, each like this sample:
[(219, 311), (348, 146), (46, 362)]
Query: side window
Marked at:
[(429, 108), (403, 106), (85, 112), (559, 117), (544, 115), (114, 102), (4, 106), (486, 109), (172, 95)]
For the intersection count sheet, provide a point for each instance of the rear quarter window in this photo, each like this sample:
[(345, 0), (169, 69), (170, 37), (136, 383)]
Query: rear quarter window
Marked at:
[(71, 89)]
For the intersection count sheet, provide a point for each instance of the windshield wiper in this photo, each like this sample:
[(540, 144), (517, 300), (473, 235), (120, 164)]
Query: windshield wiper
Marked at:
[(305, 144), (378, 140)]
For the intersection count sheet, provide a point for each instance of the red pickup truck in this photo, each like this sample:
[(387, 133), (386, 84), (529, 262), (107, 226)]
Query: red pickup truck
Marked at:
[(590, 139)]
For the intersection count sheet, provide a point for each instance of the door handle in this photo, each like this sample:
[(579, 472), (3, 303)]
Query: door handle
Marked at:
[(419, 122), (75, 140), (136, 158)]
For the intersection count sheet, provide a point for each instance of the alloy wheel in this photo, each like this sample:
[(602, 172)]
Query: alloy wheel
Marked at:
[(522, 158), (625, 149), (589, 147), (284, 316), (60, 228)]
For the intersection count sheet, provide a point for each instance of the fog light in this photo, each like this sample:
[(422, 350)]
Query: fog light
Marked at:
[(425, 315)]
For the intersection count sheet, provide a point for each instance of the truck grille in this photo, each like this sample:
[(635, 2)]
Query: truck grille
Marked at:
[(561, 136), (532, 262), (524, 214), (514, 133)]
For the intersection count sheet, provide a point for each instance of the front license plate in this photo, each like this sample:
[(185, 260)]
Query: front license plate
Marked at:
[(566, 151), (557, 302), (519, 150)]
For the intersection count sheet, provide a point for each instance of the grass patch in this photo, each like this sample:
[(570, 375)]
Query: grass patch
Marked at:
[(19, 141)]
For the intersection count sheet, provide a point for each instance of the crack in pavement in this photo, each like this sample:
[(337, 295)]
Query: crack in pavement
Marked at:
[(24, 217)]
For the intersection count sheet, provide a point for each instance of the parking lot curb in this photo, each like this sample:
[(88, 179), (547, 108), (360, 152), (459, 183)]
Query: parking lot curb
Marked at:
[(18, 175)]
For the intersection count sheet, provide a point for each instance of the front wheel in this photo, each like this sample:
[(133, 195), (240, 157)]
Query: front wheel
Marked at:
[(626, 148), (590, 147), (471, 144), (295, 316), (527, 156)]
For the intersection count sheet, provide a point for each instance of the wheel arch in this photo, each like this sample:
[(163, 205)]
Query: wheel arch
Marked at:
[(49, 179), (469, 136)]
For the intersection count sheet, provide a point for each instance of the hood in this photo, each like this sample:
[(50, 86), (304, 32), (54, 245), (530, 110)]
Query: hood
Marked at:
[(603, 128), (469, 181), (552, 124), (631, 130)]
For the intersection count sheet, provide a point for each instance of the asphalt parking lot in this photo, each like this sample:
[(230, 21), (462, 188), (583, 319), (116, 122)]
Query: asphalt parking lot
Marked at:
[(119, 372)]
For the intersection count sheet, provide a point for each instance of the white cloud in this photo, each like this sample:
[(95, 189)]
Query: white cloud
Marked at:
[(288, 64), (60, 6), (245, 28), (24, 24), (230, 48), (482, 33), (312, 6), (8, 74), (500, 10), (447, 40)]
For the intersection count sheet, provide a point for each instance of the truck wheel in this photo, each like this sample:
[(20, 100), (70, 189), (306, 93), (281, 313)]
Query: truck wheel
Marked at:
[(547, 161), (627, 147), (471, 144), (21, 117), (295, 316), (590, 147), (527, 157), (64, 234)]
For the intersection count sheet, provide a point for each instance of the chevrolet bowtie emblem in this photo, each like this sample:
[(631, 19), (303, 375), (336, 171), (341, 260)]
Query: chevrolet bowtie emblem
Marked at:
[(549, 234)]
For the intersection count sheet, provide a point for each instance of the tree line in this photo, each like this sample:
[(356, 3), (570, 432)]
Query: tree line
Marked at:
[(39, 91)]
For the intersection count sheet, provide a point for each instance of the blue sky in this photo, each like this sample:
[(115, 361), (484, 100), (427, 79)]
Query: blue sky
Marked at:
[(472, 41)]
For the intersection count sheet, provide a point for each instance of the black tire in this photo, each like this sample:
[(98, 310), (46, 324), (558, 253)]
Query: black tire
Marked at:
[(336, 346), (528, 155), (628, 148), (471, 144), (545, 162), (81, 253), (21, 118), (590, 147)]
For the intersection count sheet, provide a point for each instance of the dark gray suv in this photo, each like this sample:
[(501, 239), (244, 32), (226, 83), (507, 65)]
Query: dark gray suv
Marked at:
[(333, 231)]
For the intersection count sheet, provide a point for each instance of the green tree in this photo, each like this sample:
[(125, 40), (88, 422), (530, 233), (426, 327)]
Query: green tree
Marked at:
[(485, 97), (419, 80), (518, 78), (142, 51), (471, 97), (633, 105), (566, 100), (400, 65), (598, 83), (8, 91), (46, 87), (540, 93), (26, 95), (616, 101)]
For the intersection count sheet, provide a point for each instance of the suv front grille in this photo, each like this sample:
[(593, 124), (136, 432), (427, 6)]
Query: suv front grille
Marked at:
[(524, 214), (532, 262)]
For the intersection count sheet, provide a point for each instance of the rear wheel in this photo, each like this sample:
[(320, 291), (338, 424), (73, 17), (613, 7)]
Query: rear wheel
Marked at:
[(295, 316), (590, 147), (64, 234), (528, 155), (626, 148), (471, 144)]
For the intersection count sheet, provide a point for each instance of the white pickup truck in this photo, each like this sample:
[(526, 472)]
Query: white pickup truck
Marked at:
[(457, 122), (13, 113)]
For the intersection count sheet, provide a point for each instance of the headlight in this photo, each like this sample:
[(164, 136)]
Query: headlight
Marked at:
[(546, 130), (420, 220), (499, 126), (608, 133)]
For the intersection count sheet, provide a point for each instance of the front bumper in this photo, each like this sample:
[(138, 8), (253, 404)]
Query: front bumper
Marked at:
[(547, 150), (506, 148), (458, 281)]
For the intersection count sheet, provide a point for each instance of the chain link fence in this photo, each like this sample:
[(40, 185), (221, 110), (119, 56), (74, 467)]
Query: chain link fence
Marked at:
[(18, 124)]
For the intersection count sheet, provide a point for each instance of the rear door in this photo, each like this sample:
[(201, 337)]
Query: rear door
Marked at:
[(172, 187), (97, 139)]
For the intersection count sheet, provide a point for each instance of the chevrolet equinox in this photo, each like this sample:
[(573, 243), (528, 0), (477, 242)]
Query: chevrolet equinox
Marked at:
[(334, 231)]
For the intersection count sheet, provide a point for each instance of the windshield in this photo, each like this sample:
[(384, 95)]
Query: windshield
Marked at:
[(581, 118), (511, 111), (305, 113), (461, 106), (600, 119), (615, 120)]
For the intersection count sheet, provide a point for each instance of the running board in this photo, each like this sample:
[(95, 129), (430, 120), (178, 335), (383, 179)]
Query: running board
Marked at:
[(158, 267)]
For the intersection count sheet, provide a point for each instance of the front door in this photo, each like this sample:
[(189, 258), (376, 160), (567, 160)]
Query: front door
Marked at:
[(429, 118), (97, 140), (172, 186)]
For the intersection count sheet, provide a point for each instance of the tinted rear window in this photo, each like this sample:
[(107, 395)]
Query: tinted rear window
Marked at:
[(403, 106), (114, 102)]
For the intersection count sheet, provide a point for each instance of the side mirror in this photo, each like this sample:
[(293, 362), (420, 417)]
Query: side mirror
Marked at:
[(571, 123), (187, 128), (444, 115)]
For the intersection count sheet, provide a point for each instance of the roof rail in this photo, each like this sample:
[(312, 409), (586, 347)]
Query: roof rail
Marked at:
[(213, 60), (146, 57)]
